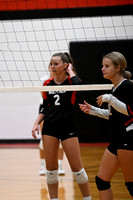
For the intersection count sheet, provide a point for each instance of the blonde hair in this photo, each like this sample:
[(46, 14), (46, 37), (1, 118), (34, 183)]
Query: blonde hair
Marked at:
[(118, 59)]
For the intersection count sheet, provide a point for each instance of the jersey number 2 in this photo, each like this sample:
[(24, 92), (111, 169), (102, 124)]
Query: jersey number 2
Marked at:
[(57, 99)]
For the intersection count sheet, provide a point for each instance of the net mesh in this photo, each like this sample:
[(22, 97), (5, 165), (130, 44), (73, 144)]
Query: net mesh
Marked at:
[(26, 46)]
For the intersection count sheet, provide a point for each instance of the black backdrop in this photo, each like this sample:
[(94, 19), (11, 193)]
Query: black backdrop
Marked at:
[(87, 57)]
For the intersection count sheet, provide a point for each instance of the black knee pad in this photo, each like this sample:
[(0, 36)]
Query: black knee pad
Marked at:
[(101, 184), (130, 187)]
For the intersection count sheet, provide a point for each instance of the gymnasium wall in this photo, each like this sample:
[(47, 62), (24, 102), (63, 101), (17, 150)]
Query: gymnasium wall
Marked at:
[(32, 30)]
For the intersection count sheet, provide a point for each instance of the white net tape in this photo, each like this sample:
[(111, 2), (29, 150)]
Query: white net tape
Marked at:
[(59, 88)]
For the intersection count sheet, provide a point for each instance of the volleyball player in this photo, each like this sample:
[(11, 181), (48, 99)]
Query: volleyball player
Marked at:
[(120, 114), (42, 170), (58, 116)]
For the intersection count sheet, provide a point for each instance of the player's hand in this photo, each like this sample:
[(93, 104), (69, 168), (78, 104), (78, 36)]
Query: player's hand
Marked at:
[(85, 107), (35, 130), (69, 68), (100, 100)]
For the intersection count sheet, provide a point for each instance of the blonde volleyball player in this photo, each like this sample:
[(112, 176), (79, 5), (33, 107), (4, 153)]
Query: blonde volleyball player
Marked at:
[(42, 170), (58, 116), (120, 114)]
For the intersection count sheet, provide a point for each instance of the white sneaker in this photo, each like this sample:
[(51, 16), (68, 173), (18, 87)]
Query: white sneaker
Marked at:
[(61, 171), (42, 170)]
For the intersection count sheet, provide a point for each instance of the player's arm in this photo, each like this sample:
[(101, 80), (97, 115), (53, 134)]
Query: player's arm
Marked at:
[(92, 110), (70, 70), (114, 102), (40, 118), (74, 79), (35, 128)]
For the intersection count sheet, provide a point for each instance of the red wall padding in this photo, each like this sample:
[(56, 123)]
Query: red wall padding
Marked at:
[(6, 5)]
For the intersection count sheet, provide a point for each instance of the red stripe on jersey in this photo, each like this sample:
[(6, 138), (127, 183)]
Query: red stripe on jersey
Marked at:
[(131, 120), (44, 94), (73, 97), (47, 81), (131, 113), (128, 122)]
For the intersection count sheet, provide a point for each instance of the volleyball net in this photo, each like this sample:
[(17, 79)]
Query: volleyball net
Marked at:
[(26, 45), (31, 31)]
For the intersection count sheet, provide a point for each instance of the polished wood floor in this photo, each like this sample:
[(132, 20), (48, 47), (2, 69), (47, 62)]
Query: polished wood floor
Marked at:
[(19, 179)]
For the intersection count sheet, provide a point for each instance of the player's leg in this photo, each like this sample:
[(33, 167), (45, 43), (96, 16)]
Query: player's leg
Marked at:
[(51, 146), (61, 171), (108, 167), (126, 162), (72, 151)]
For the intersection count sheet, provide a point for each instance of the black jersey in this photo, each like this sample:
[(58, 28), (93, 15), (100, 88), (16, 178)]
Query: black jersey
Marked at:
[(59, 105), (121, 124)]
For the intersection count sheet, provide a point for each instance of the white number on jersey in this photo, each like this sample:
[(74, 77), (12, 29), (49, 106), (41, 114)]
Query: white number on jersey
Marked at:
[(57, 99)]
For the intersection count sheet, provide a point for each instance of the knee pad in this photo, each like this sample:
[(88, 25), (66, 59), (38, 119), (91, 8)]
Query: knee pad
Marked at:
[(41, 145), (101, 184), (52, 176), (130, 187), (81, 176)]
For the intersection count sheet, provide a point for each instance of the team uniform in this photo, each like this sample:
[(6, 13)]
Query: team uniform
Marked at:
[(42, 170), (121, 126), (120, 115), (58, 109)]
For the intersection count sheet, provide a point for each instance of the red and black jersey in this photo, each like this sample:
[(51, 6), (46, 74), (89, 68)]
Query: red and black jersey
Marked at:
[(59, 105), (122, 125)]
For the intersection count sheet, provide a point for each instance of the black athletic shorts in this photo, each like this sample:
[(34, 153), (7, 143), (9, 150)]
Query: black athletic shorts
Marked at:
[(113, 147), (60, 129)]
